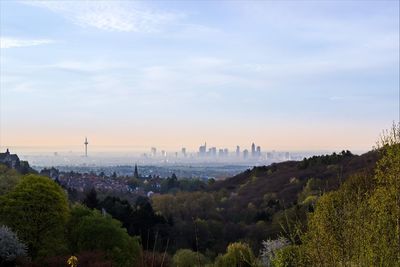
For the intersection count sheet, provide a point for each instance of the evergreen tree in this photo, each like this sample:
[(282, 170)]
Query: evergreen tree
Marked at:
[(91, 200)]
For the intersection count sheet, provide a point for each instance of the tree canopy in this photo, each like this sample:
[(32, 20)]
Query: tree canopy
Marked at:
[(37, 209), (89, 230)]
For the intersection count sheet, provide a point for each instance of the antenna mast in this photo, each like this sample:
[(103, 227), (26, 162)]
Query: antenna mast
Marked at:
[(86, 143)]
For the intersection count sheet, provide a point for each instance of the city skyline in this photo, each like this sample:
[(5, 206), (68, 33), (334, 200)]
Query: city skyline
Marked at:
[(170, 74)]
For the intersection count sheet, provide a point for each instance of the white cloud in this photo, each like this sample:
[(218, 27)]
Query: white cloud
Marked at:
[(8, 42), (127, 16)]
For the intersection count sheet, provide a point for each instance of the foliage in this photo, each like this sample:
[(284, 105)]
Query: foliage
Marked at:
[(325, 159), (118, 209), (237, 255), (144, 222), (289, 256), (358, 225), (188, 258), (269, 249), (72, 261), (153, 258), (85, 258), (384, 202), (8, 179), (89, 230), (37, 209), (11, 247), (311, 190), (91, 200)]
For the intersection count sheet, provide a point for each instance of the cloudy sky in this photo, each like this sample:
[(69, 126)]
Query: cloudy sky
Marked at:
[(292, 75)]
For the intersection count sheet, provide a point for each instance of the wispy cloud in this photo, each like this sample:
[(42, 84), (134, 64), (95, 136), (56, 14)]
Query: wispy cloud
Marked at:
[(127, 16), (9, 42)]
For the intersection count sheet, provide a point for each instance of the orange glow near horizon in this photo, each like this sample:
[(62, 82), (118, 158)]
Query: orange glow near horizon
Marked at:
[(283, 138)]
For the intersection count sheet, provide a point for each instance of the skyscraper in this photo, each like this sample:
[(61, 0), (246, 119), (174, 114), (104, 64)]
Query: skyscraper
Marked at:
[(245, 154), (212, 151), (203, 150), (237, 151), (253, 150), (258, 151)]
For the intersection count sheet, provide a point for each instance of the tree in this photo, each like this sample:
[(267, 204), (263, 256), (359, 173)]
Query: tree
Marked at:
[(8, 179), (385, 201), (270, 248), (89, 230), (11, 247), (188, 258), (172, 182), (118, 209), (37, 209), (146, 223), (359, 224), (91, 200), (237, 255)]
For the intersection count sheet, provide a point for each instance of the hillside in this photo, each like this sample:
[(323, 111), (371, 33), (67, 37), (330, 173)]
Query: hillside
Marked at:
[(287, 179)]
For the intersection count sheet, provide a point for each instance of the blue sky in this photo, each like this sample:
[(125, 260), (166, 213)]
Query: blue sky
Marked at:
[(288, 75)]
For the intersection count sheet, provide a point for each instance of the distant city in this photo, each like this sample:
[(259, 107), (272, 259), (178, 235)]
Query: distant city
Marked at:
[(205, 155)]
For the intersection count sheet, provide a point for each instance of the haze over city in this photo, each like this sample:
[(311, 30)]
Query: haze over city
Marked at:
[(172, 74)]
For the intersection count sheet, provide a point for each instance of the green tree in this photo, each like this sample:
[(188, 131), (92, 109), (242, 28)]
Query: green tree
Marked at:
[(359, 224), (89, 230), (237, 255), (37, 209), (188, 258), (384, 202), (289, 256), (8, 179)]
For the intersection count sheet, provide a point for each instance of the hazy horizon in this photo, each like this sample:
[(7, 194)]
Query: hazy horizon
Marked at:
[(139, 150), (289, 76)]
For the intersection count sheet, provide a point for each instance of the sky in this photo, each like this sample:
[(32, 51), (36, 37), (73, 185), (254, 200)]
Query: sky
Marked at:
[(287, 75)]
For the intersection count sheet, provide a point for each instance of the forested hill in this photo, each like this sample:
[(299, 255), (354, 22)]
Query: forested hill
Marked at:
[(286, 180)]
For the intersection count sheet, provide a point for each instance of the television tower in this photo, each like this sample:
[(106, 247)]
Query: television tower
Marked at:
[(86, 143)]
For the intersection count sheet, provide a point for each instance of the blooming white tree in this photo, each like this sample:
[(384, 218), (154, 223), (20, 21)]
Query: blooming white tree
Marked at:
[(10, 246), (269, 249)]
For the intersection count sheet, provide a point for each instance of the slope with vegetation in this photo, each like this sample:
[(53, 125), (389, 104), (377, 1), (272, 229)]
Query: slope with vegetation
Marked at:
[(333, 210), (359, 223)]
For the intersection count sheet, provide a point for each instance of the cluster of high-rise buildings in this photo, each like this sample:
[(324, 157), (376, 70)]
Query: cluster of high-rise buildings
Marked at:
[(224, 152), (211, 152)]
